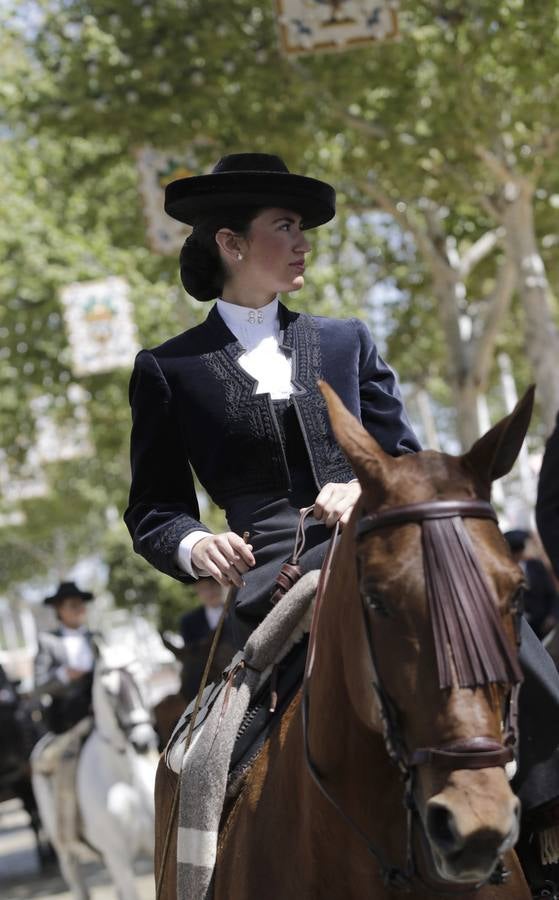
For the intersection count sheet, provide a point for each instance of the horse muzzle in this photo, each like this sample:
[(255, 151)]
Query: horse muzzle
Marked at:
[(143, 738), (468, 835)]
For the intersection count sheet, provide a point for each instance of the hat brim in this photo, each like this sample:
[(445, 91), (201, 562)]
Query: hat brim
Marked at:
[(57, 598), (190, 199)]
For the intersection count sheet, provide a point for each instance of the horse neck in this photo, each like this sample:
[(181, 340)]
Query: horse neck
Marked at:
[(345, 734), (340, 642), (105, 720)]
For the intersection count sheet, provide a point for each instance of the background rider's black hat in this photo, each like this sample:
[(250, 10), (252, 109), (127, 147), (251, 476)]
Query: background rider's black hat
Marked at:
[(67, 589), (250, 179)]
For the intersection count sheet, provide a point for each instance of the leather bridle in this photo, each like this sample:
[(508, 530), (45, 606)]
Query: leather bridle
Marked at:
[(470, 753)]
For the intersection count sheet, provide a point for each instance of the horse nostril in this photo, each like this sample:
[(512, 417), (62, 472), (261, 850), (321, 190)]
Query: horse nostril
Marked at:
[(440, 827)]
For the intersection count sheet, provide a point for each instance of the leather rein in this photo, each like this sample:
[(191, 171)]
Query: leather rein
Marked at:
[(470, 753)]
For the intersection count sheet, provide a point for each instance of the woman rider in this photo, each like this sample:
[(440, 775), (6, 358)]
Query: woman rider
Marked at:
[(237, 396)]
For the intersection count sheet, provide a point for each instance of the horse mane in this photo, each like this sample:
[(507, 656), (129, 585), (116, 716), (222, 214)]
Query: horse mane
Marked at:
[(467, 629)]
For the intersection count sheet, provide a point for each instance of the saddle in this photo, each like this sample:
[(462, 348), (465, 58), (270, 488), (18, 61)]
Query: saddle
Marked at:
[(56, 756), (262, 718), (275, 692), (220, 735), (276, 688)]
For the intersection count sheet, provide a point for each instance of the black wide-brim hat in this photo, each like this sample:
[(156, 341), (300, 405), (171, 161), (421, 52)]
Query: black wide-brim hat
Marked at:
[(250, 180), (67, 589)]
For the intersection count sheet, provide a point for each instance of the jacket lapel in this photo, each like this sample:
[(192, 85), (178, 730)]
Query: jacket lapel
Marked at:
[(298, 336), (59, 648)]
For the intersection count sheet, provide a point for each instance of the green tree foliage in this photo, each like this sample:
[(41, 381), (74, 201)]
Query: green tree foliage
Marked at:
[(406, 125), (405, 129)]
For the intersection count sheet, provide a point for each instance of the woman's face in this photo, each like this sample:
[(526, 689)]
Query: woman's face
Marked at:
[(72, 612), (274, 252)]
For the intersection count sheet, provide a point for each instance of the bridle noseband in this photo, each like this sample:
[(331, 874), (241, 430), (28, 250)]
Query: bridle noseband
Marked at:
[(470, 753)]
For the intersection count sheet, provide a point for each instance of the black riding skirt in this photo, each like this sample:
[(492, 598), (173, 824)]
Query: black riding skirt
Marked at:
[(271, 523)]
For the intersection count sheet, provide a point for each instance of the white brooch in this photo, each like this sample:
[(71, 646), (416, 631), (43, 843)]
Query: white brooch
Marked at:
[(255, 317)]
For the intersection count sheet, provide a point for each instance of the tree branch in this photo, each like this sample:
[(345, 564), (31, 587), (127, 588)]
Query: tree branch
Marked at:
[(491, 321), (387, 204), (491, 208), (494, 164), (504, 174), (313, 89), (548, 144), (479, 250)]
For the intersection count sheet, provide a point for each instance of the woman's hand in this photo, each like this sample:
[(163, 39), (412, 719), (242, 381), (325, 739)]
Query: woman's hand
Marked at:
[(335, 503), (224, 556), (75, 674)]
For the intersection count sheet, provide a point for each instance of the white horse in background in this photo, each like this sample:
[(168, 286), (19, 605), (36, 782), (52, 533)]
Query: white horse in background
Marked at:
[(114, 783)]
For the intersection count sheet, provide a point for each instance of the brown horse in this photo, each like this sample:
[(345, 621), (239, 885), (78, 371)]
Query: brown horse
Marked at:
[(388, 768)]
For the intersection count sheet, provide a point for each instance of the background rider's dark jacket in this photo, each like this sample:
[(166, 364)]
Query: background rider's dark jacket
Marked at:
[(193, 403), (71, 701), (198, 638), (540, 598), (547, 505)]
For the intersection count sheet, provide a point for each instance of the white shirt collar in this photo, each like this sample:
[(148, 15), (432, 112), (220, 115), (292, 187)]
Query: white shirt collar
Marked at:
[(213, 615), (73, 632), (236, 316)]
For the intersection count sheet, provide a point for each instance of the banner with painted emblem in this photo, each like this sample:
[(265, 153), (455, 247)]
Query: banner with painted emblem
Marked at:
[(101, 330), (27, 481), (307, 26), (62, 425), (156, 169)]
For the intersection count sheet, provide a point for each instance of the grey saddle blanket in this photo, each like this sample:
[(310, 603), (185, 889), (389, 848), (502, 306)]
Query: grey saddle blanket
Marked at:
[(204, 768), (267, 704)]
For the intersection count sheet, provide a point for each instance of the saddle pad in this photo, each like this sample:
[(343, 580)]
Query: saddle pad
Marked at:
[(259, 721), (174, 750), (204, 768)]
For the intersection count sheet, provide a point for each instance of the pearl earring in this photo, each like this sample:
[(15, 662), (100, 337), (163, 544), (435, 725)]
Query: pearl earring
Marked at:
[(239, 255)]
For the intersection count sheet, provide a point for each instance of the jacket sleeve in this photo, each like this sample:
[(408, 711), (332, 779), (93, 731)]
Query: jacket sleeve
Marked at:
[(547, 503), (47, 671), (162, 507), (382, 408)]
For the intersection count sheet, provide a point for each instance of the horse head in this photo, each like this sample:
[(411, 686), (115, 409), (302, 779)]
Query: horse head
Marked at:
[(430, 658), (118, 707)]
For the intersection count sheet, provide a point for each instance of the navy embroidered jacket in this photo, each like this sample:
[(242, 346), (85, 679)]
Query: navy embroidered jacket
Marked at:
[(194, 405)]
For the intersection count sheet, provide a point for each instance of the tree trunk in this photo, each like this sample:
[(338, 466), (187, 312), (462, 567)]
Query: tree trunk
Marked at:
[(541, 336), (467, 418), (449, 290), (469, 354)]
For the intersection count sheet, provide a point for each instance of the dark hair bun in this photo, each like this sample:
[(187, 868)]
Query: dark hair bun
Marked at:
[(200, 269)]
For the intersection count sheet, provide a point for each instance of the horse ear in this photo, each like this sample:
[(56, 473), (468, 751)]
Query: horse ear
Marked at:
[(494, 454), (366, 456)]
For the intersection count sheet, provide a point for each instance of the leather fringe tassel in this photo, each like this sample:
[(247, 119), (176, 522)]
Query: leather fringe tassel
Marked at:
[(549, 845), (467, 629)]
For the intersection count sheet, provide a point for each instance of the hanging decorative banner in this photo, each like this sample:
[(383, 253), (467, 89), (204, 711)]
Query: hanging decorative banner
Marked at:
[(26, 483), (313, 25), (62, 426), (156, 169), (101, 331)]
